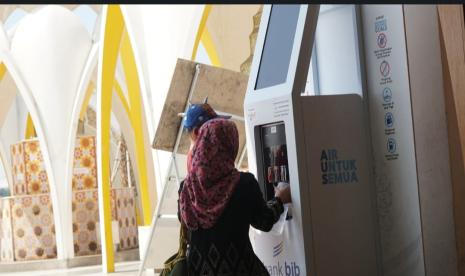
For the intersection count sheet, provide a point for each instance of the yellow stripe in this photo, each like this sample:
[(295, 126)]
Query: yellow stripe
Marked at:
[(89, 91), (210, 48), (133, 84), (2, 70), (112, 38), (120, 93), (203, 23), (30, 131)]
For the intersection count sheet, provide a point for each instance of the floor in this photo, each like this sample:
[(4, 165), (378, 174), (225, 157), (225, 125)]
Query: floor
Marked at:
[(121, 269)]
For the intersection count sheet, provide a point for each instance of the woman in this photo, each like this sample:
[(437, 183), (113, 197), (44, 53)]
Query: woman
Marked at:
[(218, 204)]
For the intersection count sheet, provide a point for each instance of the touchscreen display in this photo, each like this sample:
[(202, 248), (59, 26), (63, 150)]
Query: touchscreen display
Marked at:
[(277, 48)]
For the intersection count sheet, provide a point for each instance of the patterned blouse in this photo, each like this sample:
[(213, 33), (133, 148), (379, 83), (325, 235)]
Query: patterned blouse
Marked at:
[(225, 249)]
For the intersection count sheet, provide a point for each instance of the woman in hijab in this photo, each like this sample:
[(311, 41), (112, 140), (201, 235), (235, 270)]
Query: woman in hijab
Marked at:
[(217, 204)]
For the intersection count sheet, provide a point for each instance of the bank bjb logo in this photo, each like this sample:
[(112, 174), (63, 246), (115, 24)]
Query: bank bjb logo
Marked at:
[(286, 269), (278, 249), (336, 171)]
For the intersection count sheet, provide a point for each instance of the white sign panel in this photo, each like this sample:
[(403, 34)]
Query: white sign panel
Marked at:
[(392, 140)]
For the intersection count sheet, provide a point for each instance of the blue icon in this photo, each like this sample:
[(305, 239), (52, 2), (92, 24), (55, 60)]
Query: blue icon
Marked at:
[(391, 145), (389, 119), (380, 26), (387, 95)]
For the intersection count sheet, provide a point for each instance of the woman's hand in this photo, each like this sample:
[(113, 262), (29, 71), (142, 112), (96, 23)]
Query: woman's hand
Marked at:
[(284, 194)]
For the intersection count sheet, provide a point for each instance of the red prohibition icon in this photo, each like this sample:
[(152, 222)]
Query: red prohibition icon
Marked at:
[(384, 68)]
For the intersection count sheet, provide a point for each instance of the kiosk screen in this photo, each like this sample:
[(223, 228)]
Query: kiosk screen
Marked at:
[(277, 48), (272, 164)]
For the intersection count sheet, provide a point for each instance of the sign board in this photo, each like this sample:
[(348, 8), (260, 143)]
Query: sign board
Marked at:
[(392, 136)]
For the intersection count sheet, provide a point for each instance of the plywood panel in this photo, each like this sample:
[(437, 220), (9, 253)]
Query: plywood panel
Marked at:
[(225, 90), (451, 20)]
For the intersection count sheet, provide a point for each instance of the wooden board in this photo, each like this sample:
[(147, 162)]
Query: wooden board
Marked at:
[(451, 20), (225, 90)]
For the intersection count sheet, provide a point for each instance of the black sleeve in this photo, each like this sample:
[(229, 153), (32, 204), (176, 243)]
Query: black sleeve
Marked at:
[(179, 193), (264, 214)]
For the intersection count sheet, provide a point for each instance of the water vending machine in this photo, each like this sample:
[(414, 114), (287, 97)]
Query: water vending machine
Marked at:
[(365, 153), (324, 161)]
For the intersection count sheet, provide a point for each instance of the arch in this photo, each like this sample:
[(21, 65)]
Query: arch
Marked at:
[(203, 23), (210, 47), (86, 13), (108, 53), (83, 94), (141, 117), (204, 36), (26, 94), (49, 27), (14, 17), (6, 166), (117, 41)]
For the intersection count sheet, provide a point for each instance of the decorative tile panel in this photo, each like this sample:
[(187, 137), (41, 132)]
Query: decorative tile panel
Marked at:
[(19, 170), (85, 218), (85, 164), (123, 164), (33, 227), (6, 236), (36, 176), (29, 175), (126, 215)]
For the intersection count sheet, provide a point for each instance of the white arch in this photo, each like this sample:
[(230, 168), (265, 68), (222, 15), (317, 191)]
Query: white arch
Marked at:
[(71, 140), (4, 41), (127, 131), (139, 65), (8, 92), (61, 40), (26, 94), (6, 166), (147, 123)]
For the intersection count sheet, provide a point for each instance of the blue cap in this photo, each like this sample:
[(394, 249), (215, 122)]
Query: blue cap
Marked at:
[(197, 114)]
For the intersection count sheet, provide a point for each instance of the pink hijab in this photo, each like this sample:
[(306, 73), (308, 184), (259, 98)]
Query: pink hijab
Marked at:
[(212, 178)]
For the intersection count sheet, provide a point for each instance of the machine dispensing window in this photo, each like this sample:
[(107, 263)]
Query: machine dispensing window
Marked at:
[(272, 164), (277, 48)]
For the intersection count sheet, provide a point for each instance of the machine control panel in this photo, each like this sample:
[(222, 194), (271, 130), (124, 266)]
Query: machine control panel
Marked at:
[(272, 162)]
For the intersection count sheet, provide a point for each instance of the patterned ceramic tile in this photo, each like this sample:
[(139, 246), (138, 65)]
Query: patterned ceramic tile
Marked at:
[(85, 218), (123, 165), (36, 176), (6, 237), (33, 227), (19, 170), (85, 164), (29, 175), (113, 204), (126, 214)]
